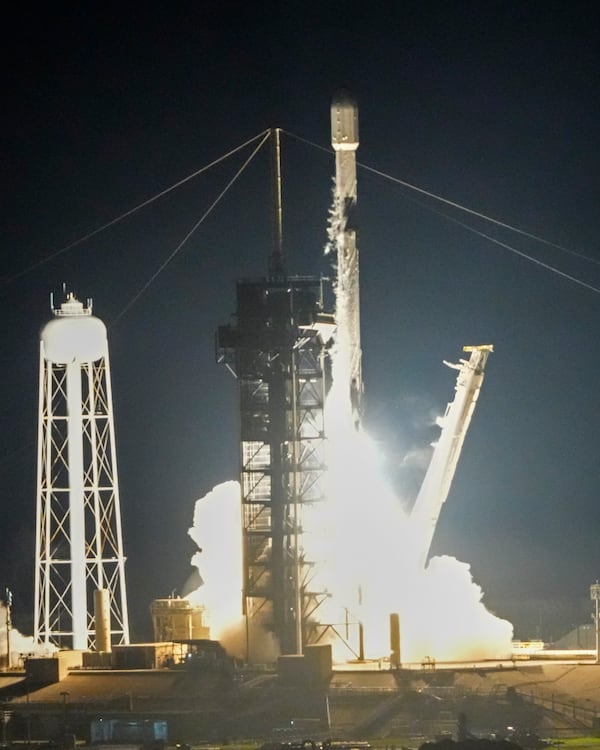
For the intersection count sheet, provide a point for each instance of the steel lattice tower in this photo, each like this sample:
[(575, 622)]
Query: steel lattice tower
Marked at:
[(276, 349), (79, 545)]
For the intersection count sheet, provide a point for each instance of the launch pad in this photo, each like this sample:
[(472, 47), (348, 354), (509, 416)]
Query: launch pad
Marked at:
[(289, 355)]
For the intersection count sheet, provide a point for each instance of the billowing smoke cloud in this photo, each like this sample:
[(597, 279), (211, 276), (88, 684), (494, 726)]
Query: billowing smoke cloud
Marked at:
[(368, 556), (21, 645), (217, 531), (360, 540)]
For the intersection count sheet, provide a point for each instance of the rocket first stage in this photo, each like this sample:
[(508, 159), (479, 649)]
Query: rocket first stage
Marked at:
[(344, 139)]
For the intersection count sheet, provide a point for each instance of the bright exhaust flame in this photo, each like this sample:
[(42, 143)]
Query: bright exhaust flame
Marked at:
[(367, 558), (368, 553)]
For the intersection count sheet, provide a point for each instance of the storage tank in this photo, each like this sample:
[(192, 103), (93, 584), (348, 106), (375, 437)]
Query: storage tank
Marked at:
[(79, 546)]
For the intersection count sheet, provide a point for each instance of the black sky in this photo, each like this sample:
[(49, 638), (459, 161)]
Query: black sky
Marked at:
[(493, 106)]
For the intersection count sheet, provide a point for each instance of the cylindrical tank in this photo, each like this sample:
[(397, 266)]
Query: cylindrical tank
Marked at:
[(74, 335), (102, 619)]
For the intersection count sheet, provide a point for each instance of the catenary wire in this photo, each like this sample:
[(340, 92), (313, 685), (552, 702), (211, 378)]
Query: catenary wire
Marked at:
[(458, 206), (478, 214), (505, 245), (170, 257), (136, 208)]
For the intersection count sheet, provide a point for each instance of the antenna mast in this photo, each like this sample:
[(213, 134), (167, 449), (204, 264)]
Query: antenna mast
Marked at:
[(277, 259)]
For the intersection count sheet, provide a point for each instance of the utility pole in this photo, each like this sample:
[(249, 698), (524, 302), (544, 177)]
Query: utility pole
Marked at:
[(4, 718), (65, 696), (8, 603), (595, 597)]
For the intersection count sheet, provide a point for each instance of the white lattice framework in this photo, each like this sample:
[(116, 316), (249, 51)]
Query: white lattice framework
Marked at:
[(302, 475), (79, 544)]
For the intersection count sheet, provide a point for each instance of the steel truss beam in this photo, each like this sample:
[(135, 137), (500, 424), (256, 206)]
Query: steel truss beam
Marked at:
[(277, 352), (68, 551)]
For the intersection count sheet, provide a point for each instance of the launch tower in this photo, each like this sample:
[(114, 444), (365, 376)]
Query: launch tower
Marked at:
[(80, 597), (275, 346)]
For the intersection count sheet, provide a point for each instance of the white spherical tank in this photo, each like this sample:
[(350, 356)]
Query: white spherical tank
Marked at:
[(74, 336)]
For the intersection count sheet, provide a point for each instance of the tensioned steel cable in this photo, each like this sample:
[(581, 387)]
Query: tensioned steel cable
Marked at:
[(515, 250), (170, 257), (8, 458), (478, 214), (465, 209), (136, 208), (265, 135)]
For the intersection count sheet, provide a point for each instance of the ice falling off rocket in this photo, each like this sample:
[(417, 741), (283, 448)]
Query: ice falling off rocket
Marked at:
[(342, 236)]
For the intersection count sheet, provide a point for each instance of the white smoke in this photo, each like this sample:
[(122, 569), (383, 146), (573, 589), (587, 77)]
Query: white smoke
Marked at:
[(21, 646), (364, 548), (360, 540), (217, 531)]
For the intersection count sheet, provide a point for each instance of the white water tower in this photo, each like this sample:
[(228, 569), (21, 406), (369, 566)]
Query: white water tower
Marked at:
[(79, 543)]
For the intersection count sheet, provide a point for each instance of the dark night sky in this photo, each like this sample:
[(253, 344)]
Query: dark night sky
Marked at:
[(495, 109)]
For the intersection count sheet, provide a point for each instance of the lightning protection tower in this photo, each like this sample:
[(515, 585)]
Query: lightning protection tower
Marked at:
[(276, 348), (80, 597)]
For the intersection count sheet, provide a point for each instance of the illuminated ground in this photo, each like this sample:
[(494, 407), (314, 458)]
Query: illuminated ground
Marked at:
[(573, 678), (556, 700)]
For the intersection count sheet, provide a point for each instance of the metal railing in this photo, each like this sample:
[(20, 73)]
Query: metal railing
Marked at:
[(574, 711)]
